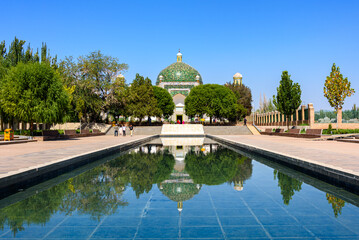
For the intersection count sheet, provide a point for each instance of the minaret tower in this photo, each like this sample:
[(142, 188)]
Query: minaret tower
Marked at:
[(237, 79), (179, 207), (179, 56)]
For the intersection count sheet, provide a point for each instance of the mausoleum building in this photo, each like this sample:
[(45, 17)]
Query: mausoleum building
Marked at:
[(179, 78)]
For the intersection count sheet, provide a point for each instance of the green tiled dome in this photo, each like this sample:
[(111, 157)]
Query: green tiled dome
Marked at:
[(179, 72), (179, 192)]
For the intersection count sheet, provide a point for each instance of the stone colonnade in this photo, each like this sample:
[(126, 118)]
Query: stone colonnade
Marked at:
[(16, 125), (303, 115)]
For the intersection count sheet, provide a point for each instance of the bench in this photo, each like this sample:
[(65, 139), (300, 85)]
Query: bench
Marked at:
[(50, 133), (314, 132), (268, 130), (295, 131), (70, 132), (85, 131), (279, 130)]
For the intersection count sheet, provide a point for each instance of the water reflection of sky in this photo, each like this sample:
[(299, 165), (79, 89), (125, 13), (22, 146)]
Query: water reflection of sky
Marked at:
[(183, 188)]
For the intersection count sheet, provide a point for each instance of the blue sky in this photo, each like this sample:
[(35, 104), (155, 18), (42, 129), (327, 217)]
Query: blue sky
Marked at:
[(259, 39)]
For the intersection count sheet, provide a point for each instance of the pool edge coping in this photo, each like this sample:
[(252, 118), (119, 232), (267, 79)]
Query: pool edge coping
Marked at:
[(339, 176), (25, 174)]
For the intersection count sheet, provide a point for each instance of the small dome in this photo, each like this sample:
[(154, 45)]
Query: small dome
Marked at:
[(237, 75), (120, 76), (179, 54)]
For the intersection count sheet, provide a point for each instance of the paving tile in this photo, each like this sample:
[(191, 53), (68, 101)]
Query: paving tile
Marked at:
[(164, 222), (238, 221), (245, 232), (201, 232), (114, 232), (70, 232), (331, 230), (287, 231), (157, 232), (116, 221), (199, 221)]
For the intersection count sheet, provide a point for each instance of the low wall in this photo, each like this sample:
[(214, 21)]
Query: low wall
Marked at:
[(334, 125), (227, 130), (182, 130), (63, 136)]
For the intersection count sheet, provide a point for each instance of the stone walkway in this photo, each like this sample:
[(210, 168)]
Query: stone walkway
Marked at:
[(15, 157), (343, 156)]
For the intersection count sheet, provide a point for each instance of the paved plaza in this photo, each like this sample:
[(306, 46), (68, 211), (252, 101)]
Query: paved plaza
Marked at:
[(343, 156), (16, 157), (337, 155)]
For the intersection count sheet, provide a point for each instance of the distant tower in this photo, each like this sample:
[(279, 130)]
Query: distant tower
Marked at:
[(120, 76), (237, 79), (179, 207), (179, 56), (160, 78), (238, 186), (197, 78)]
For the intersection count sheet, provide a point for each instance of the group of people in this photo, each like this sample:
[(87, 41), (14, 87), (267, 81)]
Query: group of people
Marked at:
[(118, 128)]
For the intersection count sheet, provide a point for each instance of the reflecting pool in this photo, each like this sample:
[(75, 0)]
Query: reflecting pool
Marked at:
[(181, 188)]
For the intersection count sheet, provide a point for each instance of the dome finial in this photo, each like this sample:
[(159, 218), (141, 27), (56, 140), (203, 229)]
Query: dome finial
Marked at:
[(179, 56)]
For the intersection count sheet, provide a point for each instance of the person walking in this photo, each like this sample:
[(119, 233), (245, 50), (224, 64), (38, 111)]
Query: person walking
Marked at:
[(131, 130), (124, 130), (116, 130), (245, 121), (120, 129)]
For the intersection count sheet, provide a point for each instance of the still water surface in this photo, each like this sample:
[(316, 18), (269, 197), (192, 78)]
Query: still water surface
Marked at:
[(181, 189)]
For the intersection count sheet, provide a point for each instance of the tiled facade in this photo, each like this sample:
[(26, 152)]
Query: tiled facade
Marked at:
[(178, 79)]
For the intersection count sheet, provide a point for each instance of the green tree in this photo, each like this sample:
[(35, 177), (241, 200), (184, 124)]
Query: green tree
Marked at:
[(288, 96), (118, 97), (164, 102), (97, 73), (141, 98), (337, 88), (16, 52), (213, 100), (33, 92), (196, 103), (287, 186), (244, 98), (94, 77)]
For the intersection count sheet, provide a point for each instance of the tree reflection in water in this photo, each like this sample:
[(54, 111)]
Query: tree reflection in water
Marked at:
[(337, 204), (217, 167), (287, 185), (97, 192), (141, 170)]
